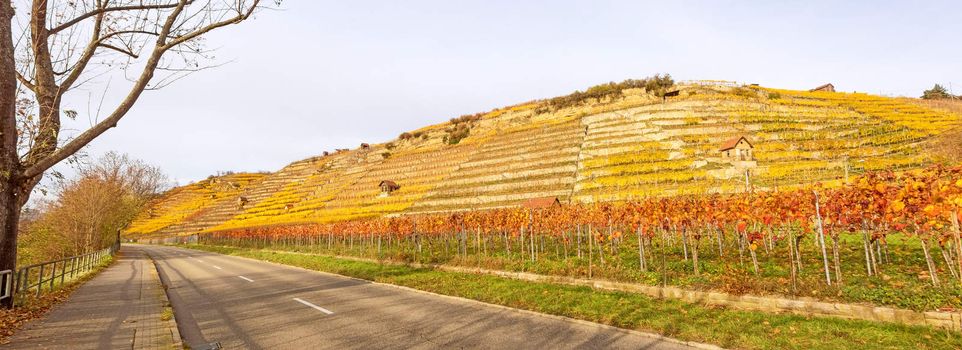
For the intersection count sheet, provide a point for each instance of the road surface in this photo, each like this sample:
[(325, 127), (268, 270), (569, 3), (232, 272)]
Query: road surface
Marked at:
[(247, 304)]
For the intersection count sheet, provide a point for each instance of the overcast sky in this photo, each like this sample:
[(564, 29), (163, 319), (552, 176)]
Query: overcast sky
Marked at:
[(320, 75)]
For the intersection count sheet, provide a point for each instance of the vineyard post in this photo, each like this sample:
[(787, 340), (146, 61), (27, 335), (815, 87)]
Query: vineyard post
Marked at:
[(694, 253), (664, 264), (507, 246), (532, 246), (684, 243), (718, 234), (522, 243), (948, 261), (929, 262), (821, 239), (578, 234), (837, 259), (798, 253), (791, 261), (741, 248), (591, 238), (641, 251), (958, 243), (868, 263), (601, 245)]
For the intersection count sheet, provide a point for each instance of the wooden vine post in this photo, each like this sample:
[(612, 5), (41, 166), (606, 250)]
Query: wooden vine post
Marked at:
[(821, 239), (958, 241)]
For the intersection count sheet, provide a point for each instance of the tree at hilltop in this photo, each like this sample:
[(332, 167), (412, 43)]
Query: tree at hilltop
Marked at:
[(61, 46), (938, 92)]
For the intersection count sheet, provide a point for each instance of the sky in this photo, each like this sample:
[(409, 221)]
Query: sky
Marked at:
[(319, 75)]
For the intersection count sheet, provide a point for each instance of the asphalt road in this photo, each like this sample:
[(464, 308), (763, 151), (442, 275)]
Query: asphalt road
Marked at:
[(248, 304)]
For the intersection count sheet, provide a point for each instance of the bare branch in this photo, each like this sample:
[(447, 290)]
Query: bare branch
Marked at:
[(26, 82), (161, 46), (241, 16), (102, 11), (123, 51)]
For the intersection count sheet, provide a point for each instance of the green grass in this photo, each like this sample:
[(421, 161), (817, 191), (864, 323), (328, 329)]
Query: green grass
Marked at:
[(720, 326), (901, 284)]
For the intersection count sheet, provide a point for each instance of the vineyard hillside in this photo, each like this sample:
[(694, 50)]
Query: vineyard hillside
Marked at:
[(618, 146)]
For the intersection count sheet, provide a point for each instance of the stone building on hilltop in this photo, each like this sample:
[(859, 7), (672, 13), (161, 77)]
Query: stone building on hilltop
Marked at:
[(827, 88)]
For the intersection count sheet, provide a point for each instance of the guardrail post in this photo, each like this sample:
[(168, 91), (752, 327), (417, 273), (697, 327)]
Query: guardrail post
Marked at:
[(40, 281), (63, 273), (53, 275), (23, 281)]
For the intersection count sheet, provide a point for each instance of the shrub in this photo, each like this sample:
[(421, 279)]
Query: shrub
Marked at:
[(657, 85), (405, 135), (937, 92), (774, 95), (743, 91), (456, 134)]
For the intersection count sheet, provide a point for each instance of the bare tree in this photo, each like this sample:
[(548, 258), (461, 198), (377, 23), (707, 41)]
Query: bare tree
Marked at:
[(48, 48)]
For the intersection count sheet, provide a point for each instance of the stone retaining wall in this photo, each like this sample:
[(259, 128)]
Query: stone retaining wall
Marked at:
[(802, 306)]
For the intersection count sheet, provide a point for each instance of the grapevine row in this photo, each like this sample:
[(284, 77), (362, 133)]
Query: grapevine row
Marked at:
[(924, 205)]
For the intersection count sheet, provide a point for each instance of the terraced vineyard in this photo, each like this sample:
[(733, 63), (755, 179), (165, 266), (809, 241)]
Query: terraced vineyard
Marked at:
[(606, 149), (185, 208), (537, 160)]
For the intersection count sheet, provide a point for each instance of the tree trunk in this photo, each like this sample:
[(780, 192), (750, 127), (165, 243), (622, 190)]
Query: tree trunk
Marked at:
[(9, 160), (9, 219)]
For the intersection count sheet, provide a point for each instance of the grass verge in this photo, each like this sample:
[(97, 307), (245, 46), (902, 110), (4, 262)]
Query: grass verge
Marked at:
[(32, 307), (691, 322)]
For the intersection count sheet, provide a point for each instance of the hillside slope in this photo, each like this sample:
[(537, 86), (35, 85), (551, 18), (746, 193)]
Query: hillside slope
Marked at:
[(615, 147)]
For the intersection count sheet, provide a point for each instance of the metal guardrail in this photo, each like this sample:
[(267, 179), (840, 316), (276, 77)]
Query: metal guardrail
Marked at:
[(6, 284), (45, 275)]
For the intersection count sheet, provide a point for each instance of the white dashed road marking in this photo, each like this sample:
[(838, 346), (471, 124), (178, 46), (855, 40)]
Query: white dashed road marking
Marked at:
[(246, 279), (318, 308)]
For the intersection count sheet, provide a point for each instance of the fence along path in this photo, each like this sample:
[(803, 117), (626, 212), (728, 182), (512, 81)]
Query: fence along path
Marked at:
[(120, 308)]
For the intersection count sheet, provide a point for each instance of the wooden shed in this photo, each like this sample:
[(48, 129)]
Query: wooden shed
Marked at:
[(827, 87), (541, 203), (388, 186), (737, 149)]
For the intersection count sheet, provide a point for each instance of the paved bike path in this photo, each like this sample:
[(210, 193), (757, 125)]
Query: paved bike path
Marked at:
[(120, 308)]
